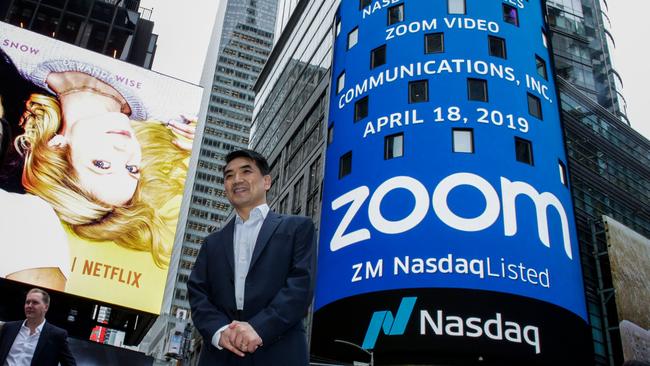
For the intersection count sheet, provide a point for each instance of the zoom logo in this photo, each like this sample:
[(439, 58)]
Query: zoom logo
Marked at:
[(384, 320)]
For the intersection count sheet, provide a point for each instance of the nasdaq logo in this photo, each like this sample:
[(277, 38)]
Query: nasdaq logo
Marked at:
[(384, 320)]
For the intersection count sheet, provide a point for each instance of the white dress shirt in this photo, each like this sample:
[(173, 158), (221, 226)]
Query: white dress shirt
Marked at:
[(22, 351), (244, 238), (20, 214)]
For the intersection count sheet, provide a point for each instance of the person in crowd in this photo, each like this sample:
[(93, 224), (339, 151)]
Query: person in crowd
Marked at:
[(253, 281), (34, 341)]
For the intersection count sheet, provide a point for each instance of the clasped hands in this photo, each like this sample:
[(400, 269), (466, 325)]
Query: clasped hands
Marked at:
[(240, 338)]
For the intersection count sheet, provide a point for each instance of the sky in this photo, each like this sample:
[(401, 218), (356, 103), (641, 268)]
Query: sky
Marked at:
[(631, 58), (184, 30), (184, 33)]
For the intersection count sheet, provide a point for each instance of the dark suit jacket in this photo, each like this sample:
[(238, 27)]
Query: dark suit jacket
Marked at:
[(278, 291), (52, 346)]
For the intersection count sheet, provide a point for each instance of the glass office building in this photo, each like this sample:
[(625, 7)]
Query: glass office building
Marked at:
[(291, 105), (609, 164), (581, 41)]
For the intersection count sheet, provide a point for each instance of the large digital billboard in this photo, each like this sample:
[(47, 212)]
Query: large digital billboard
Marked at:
[(629, 260), (94, 154), (447, 223)]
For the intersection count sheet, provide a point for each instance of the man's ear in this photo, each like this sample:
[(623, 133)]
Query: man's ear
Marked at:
[(58, 141), (267, 182)]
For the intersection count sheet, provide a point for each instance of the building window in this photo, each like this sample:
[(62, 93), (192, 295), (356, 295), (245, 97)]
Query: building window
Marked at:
[(434, 43), (540, 65), (297, 197), (314, 176), (477, 90), (284, 205), (330, 134), (353, 37), (361, 109), (462, 140), (378, 56), (395, 14), (364, 3), (510, 14), (563, 175), (345, 164), (524, 151), (338, 26), (544, 39), (456, 6), (312, 206), (418, 91), (340, 82), (394, 146), (497, 46), (534, 106)]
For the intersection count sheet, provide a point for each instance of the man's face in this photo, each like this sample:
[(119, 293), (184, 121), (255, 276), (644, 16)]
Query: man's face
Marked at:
[(35, 307), (245, 185)]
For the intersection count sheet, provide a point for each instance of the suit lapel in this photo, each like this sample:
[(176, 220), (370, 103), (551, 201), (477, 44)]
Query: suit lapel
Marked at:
[(229, 233), (10, 331), (266, 231), (42, 339)]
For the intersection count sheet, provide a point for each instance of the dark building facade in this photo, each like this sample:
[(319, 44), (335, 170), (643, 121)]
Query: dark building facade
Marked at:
[(607, 160), (116, 28), (609, 164)]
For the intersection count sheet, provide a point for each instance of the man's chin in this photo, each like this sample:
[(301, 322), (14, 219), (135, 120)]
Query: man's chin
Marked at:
[(239, 202)]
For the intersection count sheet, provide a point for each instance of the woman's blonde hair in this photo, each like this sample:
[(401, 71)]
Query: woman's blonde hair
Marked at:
[(139, 224)]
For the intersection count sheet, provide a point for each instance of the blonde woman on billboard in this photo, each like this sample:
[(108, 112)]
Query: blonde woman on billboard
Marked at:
[(43, 258), (87, 163), (105, 176), (104, 151), (33, 243)]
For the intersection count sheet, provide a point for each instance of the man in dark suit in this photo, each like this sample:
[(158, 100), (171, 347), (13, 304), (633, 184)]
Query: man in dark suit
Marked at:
[(253, 280), (34, 341)]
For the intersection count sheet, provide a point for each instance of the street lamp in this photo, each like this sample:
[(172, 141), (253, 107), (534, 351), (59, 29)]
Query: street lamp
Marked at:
[(369, 353)]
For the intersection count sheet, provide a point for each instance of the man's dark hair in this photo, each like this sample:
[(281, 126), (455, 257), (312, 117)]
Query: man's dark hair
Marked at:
[(259, 160), (45, 295)]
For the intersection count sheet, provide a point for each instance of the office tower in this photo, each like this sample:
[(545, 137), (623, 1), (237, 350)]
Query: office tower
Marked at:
[(119, 29), (610, 175), (607, 160), (245, 41), (291, 107), (581, 43)]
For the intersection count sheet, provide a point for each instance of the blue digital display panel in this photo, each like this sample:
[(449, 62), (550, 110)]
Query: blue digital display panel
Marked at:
[(445, 164)]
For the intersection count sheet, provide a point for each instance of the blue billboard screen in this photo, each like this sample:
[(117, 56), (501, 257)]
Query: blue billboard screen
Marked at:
[(446, 168)]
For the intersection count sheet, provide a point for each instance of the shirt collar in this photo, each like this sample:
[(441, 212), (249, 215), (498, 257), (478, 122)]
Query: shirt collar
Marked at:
[(259, 211), (38, 329)]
